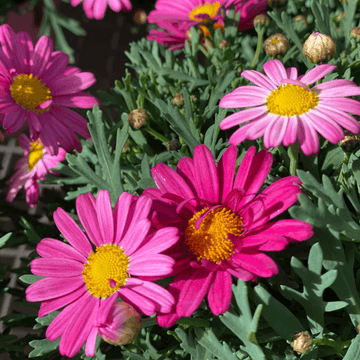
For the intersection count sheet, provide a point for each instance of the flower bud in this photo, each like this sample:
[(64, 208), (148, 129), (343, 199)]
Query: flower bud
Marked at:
[(301, 342), (224, 44), (355, 33), (122, 326), (137, 118), (173, 145), (261, 20), (178, 99), (319, 47), (300, 19), (139, 17), (276, 44)]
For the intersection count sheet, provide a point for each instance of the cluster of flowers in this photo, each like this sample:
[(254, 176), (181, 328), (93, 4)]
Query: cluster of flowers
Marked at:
[(205, 222)]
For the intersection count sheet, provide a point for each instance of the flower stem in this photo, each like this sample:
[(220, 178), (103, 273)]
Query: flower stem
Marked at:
[(294, 157), (156, 135), (258, 48)]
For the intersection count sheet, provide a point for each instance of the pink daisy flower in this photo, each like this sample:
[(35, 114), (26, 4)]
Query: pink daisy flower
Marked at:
[(95, 9), (283, 108), (87, 281), (37, 85), (32, 167), (225, 226), (177, 18)]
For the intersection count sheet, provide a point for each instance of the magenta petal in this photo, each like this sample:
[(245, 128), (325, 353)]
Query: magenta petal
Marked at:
[(91, 342), (242, 116), (14, 119), (291, 131), (167, 320), (55, 66), (308, 137), (226, 171), (105, 216), (75, 335), (48, 306), (244, 96), (85, 208), (275, 132), (317, 73), (56, 267), (259, 79), (48, 248), (242, 274), (151, 265), (50, 288), (135, 236), (139, 302), (120, 214), (40, 55), (79, 100), (220, 292), (195, 285), (71, 84), (105, 307), (206, 174), (256, 263), (71, 232), (275, 71)]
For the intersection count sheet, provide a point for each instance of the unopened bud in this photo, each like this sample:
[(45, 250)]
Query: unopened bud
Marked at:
[(178, 99), (276, 44), (301, 20), (137, 118), (173, 145), (340, 16), (139, 17), (122, 326), (301, 342), (355, 33), (319, 47), (262, 20)]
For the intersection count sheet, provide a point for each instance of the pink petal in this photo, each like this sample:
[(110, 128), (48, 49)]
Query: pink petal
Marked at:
[(99, 9), (85, 208), (195, 285), (308, 137), (316, 73), (56, 267), (50, 288), (17, 181), (186, 169), (242, 274), (206, 174), (291, 73), (14, 119), (27, 47), (105, 216), (71, 84), (242, 116), (256, 263), (226, 171), (220, 292), (78, 100), (244, 96), (48, 248), (48, 306), (291, 131), (275, 132), (259, 79), (71, 232), (139, 302), (41, 55), (151, 264), (91, 342), (275, 71), (55, 66), (135, 236)]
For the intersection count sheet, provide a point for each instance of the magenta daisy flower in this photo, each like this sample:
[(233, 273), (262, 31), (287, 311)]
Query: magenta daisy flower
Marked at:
[(95, 9), (283, 108), (87, 281), (32, 167), (224, 224), (37, 85)]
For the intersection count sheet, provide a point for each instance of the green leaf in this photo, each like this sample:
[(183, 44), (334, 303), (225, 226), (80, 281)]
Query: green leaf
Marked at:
[(43, 347), (46, 320), (30, 279), (354, 349), (4, 239)]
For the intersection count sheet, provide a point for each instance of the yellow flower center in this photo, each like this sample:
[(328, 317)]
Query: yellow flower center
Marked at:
[(211, 240), (290, 100), (204, 13), (206, 31), (29, 92), (36, 153), (105, 271)]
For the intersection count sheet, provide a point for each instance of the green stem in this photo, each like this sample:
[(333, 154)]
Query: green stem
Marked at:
[(157, 135), (183, 321), (258, 48), (294, 158)]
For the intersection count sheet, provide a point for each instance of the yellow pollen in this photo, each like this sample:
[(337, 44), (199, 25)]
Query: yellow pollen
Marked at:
[(208, 9), (275, 41), (105, 271), (35, 154), (29, 92), (290, 100), (211, 240)]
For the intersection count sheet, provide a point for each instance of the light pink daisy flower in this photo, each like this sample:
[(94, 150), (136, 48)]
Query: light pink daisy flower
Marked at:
[(95, 9), (224, 224), (177, 18), (283, 108), (36, 85), (87, 281), (32, 167)]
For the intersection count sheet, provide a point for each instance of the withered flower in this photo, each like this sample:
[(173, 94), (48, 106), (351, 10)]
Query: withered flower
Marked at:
[(355, 32), (139, 17), (178, 99), (350, 140), (276, 44), (301, 342), (173, 145), (137, 118), (300, 19)]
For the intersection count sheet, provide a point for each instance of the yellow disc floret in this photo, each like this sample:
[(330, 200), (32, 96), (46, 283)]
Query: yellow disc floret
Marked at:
[(35, 154), (105, 271), (204, 13), (290, 100), (29, 92), (211, 240)]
